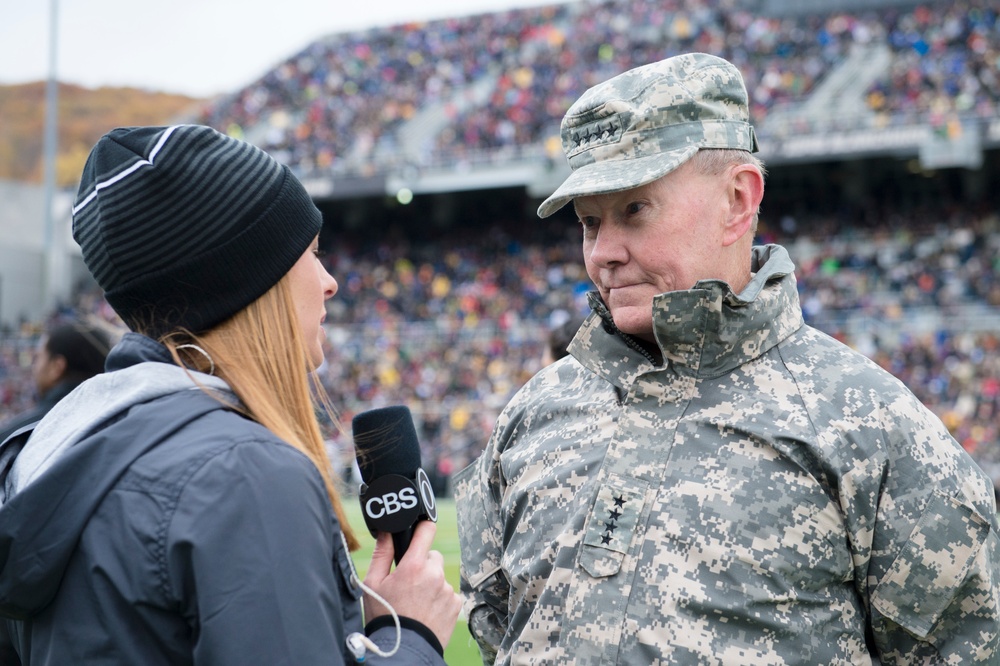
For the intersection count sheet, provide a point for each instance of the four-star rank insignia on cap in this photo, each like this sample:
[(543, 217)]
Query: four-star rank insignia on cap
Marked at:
[(605, 130)]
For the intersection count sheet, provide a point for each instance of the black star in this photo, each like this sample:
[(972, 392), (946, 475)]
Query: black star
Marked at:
[(620, 501), (611, 527), (615, 515), (606, 539)]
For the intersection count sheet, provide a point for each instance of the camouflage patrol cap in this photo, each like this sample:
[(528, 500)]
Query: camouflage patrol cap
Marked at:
[(646, 122)]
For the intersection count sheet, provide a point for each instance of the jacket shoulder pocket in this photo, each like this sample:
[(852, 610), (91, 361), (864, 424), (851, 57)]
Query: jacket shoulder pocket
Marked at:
[(932, 565)]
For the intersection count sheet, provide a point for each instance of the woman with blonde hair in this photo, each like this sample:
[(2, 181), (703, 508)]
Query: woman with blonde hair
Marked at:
[(180, 508)]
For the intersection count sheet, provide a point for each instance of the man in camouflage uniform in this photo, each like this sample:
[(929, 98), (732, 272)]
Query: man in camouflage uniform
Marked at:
[(706, 480)]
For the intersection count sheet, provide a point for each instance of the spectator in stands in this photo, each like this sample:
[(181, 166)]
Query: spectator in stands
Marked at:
[(193, 473), (66, 356), (711, 480)]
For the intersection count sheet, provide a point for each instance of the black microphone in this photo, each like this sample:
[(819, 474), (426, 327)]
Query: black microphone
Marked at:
[(395, 492)]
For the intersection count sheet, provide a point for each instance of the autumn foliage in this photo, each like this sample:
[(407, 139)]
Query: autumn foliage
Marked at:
[(84, 116)]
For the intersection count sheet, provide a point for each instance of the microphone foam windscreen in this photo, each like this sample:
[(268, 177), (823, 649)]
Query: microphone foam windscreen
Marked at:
[(385, 441)]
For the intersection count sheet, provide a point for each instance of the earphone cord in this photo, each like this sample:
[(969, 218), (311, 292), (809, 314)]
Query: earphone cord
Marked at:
[(357, 642)]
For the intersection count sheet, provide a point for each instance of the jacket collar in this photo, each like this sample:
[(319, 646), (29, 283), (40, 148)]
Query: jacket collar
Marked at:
[(134, 348), (705, 331)]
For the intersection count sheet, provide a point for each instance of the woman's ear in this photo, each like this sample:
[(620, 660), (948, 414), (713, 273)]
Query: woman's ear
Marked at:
[(745, 191)]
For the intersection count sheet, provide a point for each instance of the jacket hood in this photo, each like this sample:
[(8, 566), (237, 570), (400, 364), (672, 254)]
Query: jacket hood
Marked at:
[(76, 454), (139, 370)]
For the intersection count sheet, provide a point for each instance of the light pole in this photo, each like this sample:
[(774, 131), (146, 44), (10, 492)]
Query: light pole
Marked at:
[(52, 240)]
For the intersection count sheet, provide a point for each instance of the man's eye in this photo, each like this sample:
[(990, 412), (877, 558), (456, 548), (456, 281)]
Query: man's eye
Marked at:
[(633, 207)]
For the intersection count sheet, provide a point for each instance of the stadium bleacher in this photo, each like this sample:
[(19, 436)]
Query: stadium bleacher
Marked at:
[(494, 87)]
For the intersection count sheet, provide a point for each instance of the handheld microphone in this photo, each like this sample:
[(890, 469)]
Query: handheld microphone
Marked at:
[(395, 492)]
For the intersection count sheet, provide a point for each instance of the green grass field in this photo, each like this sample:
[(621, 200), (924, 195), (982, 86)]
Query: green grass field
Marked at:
[(462, 650)]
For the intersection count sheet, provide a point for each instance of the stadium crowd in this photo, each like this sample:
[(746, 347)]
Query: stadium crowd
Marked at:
[(338, 105), (452, 330), (945, 60)]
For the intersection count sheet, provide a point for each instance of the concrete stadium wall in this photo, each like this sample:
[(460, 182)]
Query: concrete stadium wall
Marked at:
[(21, 284), (37, 270)]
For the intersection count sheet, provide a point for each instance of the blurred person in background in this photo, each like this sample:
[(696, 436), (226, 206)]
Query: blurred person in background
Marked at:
[(179, 508), (67, 355), (558, 339), (708, 479)]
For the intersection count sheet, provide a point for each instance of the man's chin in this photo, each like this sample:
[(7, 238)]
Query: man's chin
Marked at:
[(636, 324)]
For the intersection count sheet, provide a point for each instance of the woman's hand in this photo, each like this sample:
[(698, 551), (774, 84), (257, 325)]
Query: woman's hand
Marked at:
[(416, 588)]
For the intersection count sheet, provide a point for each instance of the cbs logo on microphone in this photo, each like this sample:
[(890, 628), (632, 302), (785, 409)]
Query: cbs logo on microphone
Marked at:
[(394, 503)]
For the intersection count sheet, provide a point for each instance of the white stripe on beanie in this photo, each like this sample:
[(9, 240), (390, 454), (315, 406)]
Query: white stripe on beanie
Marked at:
[(128, 171)]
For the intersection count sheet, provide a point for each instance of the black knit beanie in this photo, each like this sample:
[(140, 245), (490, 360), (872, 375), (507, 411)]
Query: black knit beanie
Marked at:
[(184, 226)]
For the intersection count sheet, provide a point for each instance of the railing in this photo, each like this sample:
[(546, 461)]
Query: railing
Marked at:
[(913, 321)]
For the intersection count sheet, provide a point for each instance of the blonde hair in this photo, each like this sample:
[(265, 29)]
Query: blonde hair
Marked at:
[(260, 353)]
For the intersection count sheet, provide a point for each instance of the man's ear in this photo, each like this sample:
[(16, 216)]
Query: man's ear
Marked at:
[(745, 191)]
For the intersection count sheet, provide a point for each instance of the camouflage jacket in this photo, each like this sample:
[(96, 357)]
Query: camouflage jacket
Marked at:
[(764, 496)]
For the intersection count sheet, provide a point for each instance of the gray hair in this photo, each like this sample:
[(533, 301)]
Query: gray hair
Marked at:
[(714, 161)]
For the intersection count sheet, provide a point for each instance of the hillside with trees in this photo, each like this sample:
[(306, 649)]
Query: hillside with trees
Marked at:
[(84, 116)]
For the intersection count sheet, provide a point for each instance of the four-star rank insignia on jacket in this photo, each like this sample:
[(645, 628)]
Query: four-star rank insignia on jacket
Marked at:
[(614, 517)]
